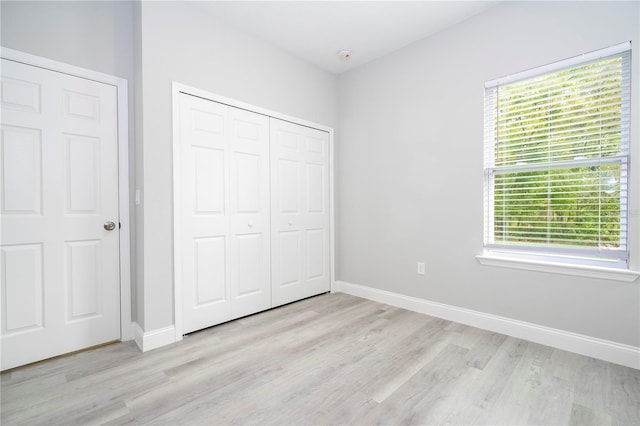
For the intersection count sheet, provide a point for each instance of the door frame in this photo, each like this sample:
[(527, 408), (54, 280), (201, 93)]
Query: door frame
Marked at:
[(121, 85), (176, 90)]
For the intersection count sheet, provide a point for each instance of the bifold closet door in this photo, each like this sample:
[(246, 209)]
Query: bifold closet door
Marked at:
[(250, 228), (299, 212), (224, 212)]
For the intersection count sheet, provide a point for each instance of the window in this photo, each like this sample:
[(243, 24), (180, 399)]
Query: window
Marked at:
[(557, 161)]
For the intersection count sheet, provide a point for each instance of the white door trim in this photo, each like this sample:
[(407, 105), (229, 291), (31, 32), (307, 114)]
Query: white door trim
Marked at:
[(178, 88), (126, 325)]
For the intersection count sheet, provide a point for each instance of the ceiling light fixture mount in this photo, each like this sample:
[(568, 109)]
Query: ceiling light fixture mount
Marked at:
[(344, 54)]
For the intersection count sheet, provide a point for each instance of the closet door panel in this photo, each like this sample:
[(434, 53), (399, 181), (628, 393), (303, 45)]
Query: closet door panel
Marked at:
[(300, 211), (288, 187), (210, 270), (248, 254), (316, 209), (205, 245), (288, 258), (249, 195)]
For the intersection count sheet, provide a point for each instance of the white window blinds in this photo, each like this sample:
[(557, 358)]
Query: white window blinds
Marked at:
[(557, 159)]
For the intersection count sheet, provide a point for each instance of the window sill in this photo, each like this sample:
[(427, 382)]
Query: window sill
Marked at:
[(563, 269)]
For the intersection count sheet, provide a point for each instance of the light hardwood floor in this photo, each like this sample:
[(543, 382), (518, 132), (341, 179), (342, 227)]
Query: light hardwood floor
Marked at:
[(331, 359)]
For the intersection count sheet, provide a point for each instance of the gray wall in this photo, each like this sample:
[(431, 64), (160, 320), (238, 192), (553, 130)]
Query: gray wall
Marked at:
[(181, 43), (92, 35), (410, 162), (89, 34)]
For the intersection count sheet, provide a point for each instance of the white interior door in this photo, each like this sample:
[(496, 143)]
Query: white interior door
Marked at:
[(59, 186), (250, 227), (299, 212), (205, 245)]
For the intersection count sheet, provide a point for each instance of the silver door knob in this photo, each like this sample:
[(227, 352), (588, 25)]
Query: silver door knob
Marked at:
[(290, 223), (250, 225), (109, 226)]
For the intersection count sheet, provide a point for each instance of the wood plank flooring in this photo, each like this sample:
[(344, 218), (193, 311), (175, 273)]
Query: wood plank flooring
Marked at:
[(331, 359)]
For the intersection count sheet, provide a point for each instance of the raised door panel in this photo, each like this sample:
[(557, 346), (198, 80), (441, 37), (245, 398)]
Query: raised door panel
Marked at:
[(20, 94), (249, 257), (210, 281), (251, 279), (22, 288), (316, 250), (82, 168), (82, 276), (209, 181), (315, 188), (288, 187), (288, 257), (21, 183), (248, 174)]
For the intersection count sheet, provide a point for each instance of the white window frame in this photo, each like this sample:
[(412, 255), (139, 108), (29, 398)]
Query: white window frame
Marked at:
[(562, 261)]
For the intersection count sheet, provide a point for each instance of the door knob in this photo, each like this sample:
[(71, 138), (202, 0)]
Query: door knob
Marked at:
[(109, 226), (250, 225), (290, 223)]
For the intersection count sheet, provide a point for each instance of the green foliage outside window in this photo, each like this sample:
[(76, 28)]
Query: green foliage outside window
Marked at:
[(557, 149)]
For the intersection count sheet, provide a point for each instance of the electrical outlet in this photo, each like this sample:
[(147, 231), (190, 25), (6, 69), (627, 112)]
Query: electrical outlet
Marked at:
[(420, 268)]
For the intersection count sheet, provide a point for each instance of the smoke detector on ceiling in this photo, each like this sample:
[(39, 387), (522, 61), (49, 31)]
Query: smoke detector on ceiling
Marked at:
[(344, 54)]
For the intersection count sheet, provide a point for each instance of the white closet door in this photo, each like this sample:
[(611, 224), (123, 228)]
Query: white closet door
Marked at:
[(250, 229), (299, 212), (59, 186), (205, 245), (224, 155)]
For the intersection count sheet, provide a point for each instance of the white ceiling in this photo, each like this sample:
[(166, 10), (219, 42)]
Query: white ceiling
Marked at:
[(316, 30)]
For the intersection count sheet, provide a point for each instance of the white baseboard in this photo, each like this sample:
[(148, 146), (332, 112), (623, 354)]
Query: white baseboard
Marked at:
[(585, 345), (147, 341)]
